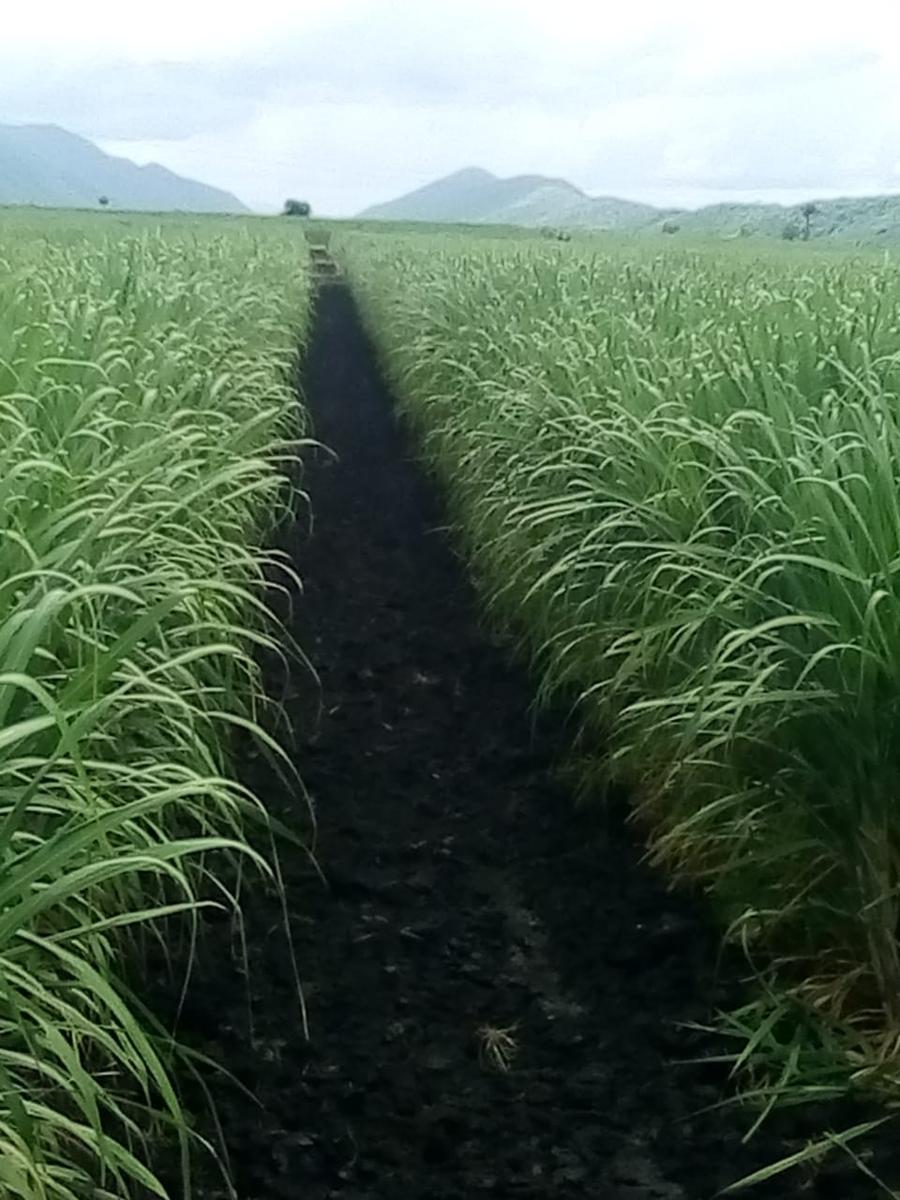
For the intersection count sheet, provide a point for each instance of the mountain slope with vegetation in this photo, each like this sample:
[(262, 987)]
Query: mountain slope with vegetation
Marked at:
[(476, 196), (854, 217), (473, 195), (47, 166)]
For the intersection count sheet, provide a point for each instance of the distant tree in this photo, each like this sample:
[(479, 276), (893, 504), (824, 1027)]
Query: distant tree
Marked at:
[(563, 235), (670, 226), (296, 208), (791, 231), (808, 211), (103, 201)]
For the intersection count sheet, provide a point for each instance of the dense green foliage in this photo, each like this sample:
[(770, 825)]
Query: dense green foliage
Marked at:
[(677, 476), (145, 402)]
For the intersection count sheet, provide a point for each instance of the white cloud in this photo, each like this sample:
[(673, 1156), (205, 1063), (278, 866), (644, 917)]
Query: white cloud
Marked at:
[(174, 30), (354, 102)]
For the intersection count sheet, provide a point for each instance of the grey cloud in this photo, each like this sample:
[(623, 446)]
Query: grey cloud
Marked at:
[(123, 100), (804, 68), (443, 85), (803, 135), (434, 60)]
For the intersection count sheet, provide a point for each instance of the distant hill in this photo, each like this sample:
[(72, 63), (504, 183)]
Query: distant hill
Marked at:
[(47, 166), (476, 196), (857, 218), (473, 195)]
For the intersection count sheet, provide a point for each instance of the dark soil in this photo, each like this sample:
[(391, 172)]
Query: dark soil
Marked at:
[(464, 894)]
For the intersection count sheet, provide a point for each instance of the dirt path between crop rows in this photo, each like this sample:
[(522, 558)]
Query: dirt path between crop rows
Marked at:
[(464, 896)]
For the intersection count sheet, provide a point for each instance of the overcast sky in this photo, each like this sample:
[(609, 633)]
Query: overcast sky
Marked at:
[(349, 102)]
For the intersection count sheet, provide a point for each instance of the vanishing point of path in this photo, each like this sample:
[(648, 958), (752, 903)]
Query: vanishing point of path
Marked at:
[(496, 987)]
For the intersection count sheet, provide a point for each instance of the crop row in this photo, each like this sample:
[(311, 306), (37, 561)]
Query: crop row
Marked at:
[(678, 480), (145, 409)]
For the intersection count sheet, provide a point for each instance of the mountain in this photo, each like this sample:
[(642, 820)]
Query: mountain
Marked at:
[(473, 195), (476, 196), (48, 166), (857, 218)]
